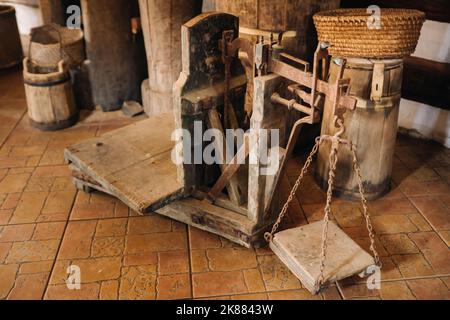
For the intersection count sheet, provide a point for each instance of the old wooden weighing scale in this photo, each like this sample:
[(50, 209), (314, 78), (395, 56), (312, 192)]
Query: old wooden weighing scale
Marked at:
[(238, 202)]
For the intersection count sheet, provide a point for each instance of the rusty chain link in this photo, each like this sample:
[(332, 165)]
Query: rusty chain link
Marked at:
[(335, 142), (269, 235)]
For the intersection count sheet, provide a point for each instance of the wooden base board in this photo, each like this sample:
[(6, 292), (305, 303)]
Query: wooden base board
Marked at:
[(203, 215), (300, 249)]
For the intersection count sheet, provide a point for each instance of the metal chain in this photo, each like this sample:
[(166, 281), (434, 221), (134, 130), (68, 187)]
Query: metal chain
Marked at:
[(333, 159), (327, 210), (369, 226), (269, 235)]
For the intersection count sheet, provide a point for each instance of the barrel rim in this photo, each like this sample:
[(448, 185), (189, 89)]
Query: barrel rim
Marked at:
[(7, 10)]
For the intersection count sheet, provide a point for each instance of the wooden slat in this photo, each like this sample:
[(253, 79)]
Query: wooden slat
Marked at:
[(344, 257), (438, 10), (235, 191), (132, 163), (230, 170), (427, 82)]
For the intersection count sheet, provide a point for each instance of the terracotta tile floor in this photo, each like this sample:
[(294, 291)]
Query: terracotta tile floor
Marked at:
[(46, 225)]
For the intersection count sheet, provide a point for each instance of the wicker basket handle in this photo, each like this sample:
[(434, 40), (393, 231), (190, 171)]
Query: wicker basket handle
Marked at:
[(50, 26)]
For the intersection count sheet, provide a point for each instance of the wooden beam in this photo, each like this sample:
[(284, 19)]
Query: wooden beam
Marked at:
[(230, 170), (438, 10), (233, 187), (427, 82)]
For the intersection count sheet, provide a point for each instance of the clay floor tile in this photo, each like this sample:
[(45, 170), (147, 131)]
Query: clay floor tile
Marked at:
[(99, 269), (199, 261), (36, 267), (434, 249), (111, 227), (155, 242), (107, 247), (77, 240), (276, 275), (429, 289), (32, 251), (109, 290), (301, 294), (171, 287), (14, 183), (434, 210), (16, 233), (398, 244), (8, 276), (173, 262), (138, 283), (218, 283), (231, 259), (253, 280), (29, 287), (88, 291), (396, 291), (148, 259), (391, 224), (148, 224), (250, 297), (29, 207), (49, 231), (199, 239), (412, 265)]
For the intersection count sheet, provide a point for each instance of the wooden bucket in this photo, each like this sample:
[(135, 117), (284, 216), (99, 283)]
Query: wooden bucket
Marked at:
[(10, 46), (50, 100), (372, 127)]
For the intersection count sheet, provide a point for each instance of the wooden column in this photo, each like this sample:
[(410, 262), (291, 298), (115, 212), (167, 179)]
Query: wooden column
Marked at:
[(52, 11), (116, 63), (161, 24)]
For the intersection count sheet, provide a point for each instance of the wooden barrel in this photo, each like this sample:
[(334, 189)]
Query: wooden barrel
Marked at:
[(161, 24), (279, 15), (372, 127), (116, 58), (10, 46), (50, 100)]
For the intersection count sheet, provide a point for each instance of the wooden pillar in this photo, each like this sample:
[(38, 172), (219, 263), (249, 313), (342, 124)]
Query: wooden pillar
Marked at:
[(161, 24), (52, 11), (116, 63)]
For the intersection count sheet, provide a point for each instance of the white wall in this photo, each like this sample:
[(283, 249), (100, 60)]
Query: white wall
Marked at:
[(27, 17), (428, 121)]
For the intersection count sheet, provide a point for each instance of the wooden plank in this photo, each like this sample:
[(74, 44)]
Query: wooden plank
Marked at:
[(427, 82), (234, 186), (230, 170), (226, 223), (300, 249), (132, 163), (437, 10)]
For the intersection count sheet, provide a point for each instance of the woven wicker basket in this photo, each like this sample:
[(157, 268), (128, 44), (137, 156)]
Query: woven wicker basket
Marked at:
[(51, 43), (348, 32)]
